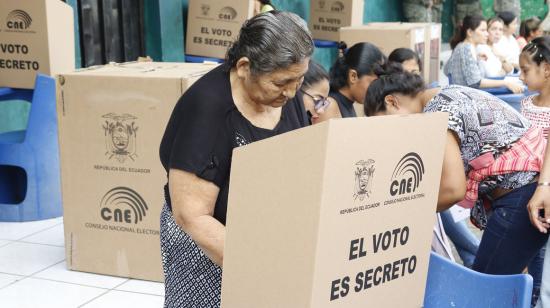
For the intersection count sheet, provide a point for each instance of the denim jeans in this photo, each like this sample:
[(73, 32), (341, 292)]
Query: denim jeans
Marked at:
[(465, 241), (509, 242), (535, 269), (544, 299)]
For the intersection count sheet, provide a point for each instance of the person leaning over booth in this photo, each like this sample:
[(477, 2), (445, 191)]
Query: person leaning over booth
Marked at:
[(248, 98), (490, 143)]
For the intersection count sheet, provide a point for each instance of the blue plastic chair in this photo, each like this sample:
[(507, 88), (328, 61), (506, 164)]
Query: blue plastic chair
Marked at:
[(30, 187), (199, 59), (325, 44), (452, 285)]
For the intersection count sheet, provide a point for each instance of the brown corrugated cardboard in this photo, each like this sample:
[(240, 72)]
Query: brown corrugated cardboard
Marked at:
[(339, 214), (111, 121), (35, 37), (435, 52), (389, 36), (213, 25), (432, 55), (327, 16)]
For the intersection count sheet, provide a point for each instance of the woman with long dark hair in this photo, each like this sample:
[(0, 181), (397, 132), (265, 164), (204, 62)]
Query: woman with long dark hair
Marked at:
[(350, 77), (464, 67)]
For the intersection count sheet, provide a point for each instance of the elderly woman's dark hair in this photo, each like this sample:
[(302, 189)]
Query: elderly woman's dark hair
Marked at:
[(364, 58), (271, 41), (391, 81), (400, 55), (315, 73)]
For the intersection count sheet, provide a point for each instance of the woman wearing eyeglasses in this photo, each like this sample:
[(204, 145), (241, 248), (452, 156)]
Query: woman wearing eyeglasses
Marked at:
[(314, 92), (350, 77)]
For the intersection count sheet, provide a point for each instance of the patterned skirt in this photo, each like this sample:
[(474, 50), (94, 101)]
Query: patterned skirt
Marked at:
[(191, 278)]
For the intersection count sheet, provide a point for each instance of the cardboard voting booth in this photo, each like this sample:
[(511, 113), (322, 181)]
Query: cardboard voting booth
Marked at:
[(389, 36), (432, 56), (339, 214), (35, 37), (327, 17), (213, 25), (111, 121)]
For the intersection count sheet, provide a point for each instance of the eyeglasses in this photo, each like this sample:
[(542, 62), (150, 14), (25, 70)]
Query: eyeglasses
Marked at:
[(320, 103)]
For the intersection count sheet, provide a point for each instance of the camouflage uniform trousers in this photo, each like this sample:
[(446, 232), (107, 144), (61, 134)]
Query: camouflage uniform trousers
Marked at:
[(508, 5), (417, 11), (466, 7)]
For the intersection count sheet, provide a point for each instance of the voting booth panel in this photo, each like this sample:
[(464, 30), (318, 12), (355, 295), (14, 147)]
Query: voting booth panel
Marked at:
[(335, 215)]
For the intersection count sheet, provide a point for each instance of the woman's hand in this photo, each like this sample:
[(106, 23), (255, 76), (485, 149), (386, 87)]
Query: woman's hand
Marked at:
[(540, 201), (481, 56), (513, 86), (507, 67)]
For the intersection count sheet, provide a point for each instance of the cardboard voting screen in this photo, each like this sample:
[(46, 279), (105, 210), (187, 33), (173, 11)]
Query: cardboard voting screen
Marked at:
[(35, 37), (327, 17), (213, 25), (339, 214)]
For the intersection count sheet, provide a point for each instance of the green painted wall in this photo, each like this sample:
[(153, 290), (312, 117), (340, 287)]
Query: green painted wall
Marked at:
[(13, 115), (529, 8)]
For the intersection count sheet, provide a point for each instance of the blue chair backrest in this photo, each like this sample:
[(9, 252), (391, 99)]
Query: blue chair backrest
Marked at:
[(452, 285)]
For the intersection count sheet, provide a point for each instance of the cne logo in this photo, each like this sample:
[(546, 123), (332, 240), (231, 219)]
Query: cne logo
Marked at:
[(407, 175), (337, 7), (123, 204), (227, 13), (18, 20)]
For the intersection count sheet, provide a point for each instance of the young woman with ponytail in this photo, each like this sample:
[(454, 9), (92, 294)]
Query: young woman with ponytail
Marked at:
[(350, 77), (464, 68)]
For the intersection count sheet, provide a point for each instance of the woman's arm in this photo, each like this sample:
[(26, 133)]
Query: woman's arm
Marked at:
[(507, 67), (473, 75), (541, 198), (452, 187), (193, 201), (515, 87)]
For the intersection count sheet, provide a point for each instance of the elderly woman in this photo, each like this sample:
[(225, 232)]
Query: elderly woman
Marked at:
[(248, 98)]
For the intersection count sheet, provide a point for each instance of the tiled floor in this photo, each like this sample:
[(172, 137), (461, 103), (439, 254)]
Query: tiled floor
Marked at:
[(33, 274)]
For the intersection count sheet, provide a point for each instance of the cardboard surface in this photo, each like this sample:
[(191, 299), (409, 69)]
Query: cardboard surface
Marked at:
[(330, 216), (35, 37), (213, 25), (326, 17), (389, 36), (111, 121), (432, 53)]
